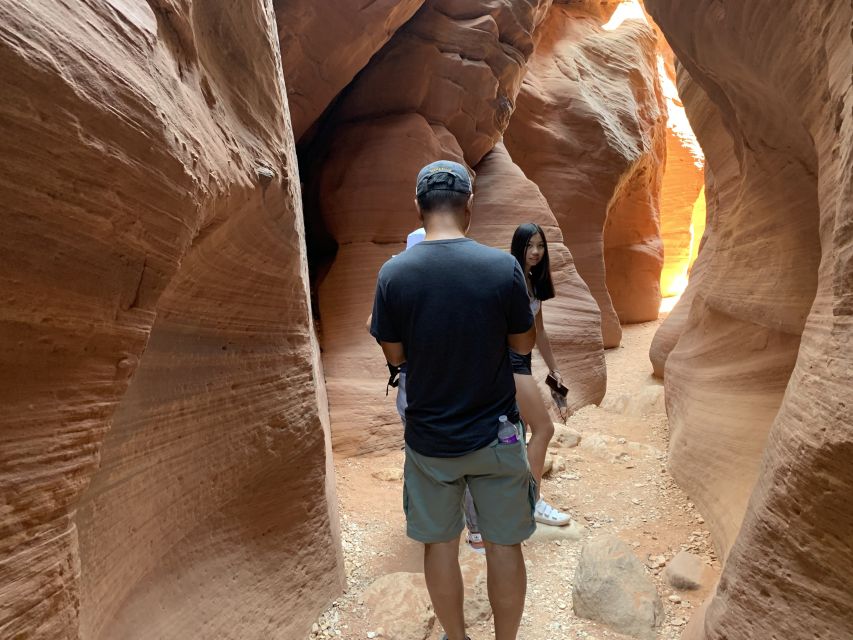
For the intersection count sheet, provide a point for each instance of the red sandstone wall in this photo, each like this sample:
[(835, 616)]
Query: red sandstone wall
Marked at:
[(760, 382), (324, 44), (161, 445), (505, 197)]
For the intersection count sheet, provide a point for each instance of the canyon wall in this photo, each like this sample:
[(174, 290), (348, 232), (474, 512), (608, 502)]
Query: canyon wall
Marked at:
[(324, 44), (590, 130), (760, 383), (443, 87), (162, 447)]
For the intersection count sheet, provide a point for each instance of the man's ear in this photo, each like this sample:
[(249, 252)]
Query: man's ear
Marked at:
[(418, 209)]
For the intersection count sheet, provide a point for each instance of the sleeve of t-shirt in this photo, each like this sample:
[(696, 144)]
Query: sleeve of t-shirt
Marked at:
[(383, 326), (519, 316)]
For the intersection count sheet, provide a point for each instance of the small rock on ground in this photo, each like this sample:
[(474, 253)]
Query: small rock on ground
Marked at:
[(389, 474), (685, 571), (565, 436), (546, 532)]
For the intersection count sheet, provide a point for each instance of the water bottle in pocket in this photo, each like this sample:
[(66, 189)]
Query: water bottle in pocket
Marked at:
[(507, 431)]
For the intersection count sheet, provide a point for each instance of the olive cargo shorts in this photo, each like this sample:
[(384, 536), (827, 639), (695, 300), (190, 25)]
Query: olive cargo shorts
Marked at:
[(499, 479)]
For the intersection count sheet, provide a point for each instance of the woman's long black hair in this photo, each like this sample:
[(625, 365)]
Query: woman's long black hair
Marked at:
[(540, 275)]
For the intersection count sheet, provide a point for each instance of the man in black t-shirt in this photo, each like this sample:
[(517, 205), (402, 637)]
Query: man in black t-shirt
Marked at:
[(448, 308)]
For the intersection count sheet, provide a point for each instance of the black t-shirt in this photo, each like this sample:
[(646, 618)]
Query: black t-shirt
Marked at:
[(452, 303)]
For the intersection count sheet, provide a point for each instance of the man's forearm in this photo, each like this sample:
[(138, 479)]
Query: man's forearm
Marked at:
[(394, 353)]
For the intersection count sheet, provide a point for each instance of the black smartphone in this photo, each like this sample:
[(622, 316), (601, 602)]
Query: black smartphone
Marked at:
[(556, 385)]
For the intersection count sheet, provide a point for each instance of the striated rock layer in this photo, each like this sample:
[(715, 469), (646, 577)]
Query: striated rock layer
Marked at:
[(324, 44), (760, 384), (589, 130), (444, 86), (161, 448)]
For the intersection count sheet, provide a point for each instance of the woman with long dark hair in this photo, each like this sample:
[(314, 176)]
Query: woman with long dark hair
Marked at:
[(531, 250)]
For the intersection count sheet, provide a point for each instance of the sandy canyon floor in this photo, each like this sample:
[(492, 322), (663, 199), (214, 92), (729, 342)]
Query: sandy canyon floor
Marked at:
[(614, 482)]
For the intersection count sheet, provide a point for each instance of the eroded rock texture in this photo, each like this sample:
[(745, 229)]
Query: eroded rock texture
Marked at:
[(760, 384), (155, 319), (444, 86), (324, 44), (589, 130)]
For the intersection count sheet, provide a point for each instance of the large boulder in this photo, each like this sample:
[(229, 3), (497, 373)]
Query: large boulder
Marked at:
[(611, 586), (760, 383), (592, 135), (161, 445)]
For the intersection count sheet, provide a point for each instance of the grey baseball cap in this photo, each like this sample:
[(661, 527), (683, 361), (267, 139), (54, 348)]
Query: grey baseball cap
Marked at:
[(443, 175)]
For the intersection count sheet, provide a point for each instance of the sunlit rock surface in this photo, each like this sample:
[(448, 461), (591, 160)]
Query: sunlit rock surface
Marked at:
[(161, 447), (682, 210), (718, 192), (590, 131), (760, 384)]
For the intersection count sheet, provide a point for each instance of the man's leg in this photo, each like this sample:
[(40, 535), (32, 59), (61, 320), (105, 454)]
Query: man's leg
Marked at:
[(432, 497), (444, 583), (507, 585), (504, 496)]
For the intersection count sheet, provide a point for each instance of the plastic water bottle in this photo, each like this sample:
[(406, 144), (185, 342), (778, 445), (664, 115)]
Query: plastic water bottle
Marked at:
[(507, 433)]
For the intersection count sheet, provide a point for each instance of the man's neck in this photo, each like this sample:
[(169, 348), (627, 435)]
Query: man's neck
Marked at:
[(443, 234), (442, 228)]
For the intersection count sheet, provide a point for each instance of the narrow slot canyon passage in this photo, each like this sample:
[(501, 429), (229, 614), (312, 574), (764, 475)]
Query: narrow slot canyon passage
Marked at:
[(195, 436)]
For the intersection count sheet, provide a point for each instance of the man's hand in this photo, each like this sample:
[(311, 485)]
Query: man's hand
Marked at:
[(522, 343)]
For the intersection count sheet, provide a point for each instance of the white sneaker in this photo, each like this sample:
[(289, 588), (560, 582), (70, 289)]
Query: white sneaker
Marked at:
[(546, 514)]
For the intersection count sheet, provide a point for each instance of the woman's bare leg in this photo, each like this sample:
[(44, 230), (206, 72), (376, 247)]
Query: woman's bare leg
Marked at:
[(534, 413)]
